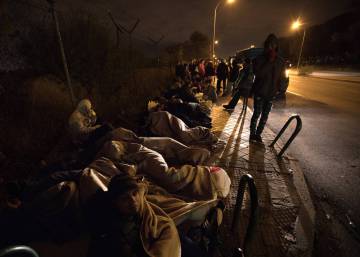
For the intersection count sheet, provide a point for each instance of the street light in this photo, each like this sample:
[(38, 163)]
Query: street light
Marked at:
[(214, 28), (296, 25), (216, 42)]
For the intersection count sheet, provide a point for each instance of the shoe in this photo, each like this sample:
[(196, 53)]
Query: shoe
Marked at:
[(258, 138), (227, 107)]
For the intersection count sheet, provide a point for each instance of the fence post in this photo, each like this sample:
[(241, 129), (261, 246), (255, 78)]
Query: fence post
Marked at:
[(62, 51)]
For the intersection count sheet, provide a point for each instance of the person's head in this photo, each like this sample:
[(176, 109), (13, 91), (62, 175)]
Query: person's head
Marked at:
[(126, 194), (234, 63), (115, 150), (271, 43), (271, 47), (85, 108), (155, 106)]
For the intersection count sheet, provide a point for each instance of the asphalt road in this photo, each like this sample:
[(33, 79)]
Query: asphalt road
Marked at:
[(328, 147)]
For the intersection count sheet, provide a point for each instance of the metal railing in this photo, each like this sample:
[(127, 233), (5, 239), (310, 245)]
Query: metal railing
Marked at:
[(18, 250), (245, 179), (294, 134)]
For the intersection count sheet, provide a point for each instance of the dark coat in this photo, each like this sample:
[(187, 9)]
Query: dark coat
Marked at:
[(245, 80), (234, 73), (222, 71), (269, 76), (209, 70)]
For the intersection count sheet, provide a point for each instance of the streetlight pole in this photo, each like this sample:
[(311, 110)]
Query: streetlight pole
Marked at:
[(214, 30), (214, 25), (301, 49), (295, 26)]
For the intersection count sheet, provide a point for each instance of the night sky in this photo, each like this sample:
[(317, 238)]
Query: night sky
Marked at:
[(239, 25)]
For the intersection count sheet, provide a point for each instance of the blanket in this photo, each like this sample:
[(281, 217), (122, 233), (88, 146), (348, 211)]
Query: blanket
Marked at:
[(196, 182), (168, 147), (164, 124)]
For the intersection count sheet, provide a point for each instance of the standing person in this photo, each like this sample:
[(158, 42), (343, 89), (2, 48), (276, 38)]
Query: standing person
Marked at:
[(201, 68), (180, 71), (269, 71), (234, 74), (242, 85), (187, 72), (222, 74), (192, 69), (210, 71)]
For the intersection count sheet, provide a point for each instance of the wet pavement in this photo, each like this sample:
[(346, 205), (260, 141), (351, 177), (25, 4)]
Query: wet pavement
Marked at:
[(328, 148), (285, 216)]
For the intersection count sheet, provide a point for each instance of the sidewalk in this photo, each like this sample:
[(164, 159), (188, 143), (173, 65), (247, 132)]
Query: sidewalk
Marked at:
[(286, 216)]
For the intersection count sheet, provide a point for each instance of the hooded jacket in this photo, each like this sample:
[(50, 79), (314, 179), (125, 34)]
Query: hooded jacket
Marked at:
[(269, 71), (82, 122)]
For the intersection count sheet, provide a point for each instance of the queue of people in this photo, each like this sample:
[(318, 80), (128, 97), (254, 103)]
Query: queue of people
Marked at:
[(201, 74), (146, 194)]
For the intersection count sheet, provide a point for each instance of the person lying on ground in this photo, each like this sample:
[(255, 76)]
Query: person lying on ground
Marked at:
[(172, 150), (195, 182), (164, 124), (34, 208), (181, 89), (44, 211), (124, 223), (193, 114), (84, 121)]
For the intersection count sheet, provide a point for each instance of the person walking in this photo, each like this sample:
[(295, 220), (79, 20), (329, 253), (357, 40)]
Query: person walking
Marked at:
[(269, 71)]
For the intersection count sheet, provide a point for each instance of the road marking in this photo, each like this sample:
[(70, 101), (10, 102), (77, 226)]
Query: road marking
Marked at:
[(295, 93)]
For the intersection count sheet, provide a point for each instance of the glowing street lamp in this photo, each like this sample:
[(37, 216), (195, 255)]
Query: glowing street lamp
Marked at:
[(296, 25), (216, 42), (214, 27)]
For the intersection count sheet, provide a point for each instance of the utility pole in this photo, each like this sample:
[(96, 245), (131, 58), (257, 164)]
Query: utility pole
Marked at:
[(122, 29), (118, 29), (129, 31)]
